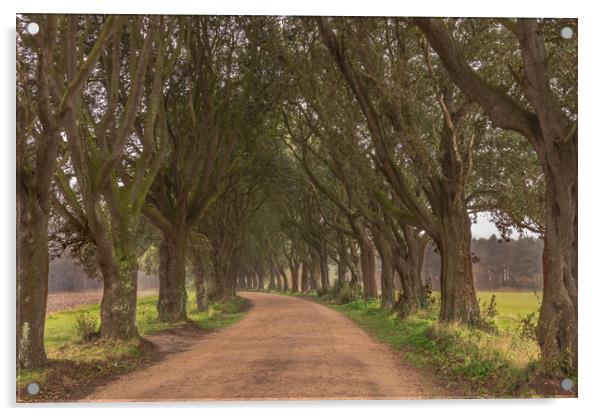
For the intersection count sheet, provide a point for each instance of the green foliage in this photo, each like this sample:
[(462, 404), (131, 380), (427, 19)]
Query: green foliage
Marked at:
[(342, 292), (85, 326)]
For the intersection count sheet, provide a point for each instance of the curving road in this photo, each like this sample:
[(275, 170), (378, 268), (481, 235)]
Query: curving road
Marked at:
[(284, 348)]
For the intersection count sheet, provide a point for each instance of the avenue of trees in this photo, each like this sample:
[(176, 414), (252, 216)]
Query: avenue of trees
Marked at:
[(267, 152)]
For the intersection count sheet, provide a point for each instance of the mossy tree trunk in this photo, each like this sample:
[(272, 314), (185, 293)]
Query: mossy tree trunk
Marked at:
[(119, 266), (32, 279), (171, 305)]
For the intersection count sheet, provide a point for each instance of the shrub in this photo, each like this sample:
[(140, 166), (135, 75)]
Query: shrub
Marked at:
[(85, 326)]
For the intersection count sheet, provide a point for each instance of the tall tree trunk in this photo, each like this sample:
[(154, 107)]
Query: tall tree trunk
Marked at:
[(277, 279), (223, 284), (557, 326), (305, 278), (324, 279), (368, 266), (285, 285), (119, 268), (261, 280), (409, 268), (32, 280), (295, 276), (272, 284), (171, 304), (387, 272), (314, 276), (458, 296)]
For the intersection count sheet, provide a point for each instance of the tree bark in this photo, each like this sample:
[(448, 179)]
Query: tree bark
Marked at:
[(305, 278), (368, 266), (387, 271), (324, 279), (119, 268), (557, 326), (295, 276), (409, 268), (458, 296), (278, 279), (171, 304), (272, 284), (285, 285), (32, 280)]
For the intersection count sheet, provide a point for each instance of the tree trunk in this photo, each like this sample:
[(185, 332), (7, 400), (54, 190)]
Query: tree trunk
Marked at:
[(295, 276), (387, 271), (342, 271), (32, 280), (223, 284), (324, 279), (409, 269), (272, 284), (119, 269), (314, 276), (277, 279), (458, 296), (171, 304), (557, 326), (261, 281), (285, 285), (305, 278), (368, 266)]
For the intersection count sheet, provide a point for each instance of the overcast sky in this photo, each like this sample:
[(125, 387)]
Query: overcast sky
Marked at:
[(484, 228)]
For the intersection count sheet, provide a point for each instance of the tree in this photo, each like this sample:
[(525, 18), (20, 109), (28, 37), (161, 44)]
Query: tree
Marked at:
[(44, 99), (113, 160), (374, 58), (549, 124)]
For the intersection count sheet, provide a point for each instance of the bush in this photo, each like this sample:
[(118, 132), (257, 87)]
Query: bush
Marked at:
[(85, 326), (342, 292)]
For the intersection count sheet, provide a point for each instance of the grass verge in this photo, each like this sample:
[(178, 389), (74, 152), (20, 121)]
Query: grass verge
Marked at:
[(500, 362), (74, 362)]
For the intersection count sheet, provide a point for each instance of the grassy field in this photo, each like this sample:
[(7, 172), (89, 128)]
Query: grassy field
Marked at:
[(512, 306), (498, 361), (74, 361)]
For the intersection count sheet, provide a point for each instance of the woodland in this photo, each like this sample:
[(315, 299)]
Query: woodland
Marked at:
[(296, 154)]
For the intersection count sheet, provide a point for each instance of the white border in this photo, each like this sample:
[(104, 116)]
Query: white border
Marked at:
[(589, 201)]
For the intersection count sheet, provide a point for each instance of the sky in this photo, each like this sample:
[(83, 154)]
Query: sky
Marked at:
[(485, 227)]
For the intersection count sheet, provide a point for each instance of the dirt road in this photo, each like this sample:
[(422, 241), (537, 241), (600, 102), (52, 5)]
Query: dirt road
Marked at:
[(284, 348)]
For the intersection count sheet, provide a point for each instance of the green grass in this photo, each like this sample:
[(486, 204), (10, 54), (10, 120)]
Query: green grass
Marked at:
[(61, 326), (480, 363), (512, 306)]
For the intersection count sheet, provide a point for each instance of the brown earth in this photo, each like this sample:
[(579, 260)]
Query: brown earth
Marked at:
[(284, 348), (60, 301)]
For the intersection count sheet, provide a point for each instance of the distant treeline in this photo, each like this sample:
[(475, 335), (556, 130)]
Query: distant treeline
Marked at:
[(65, 275), (498, 264)]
